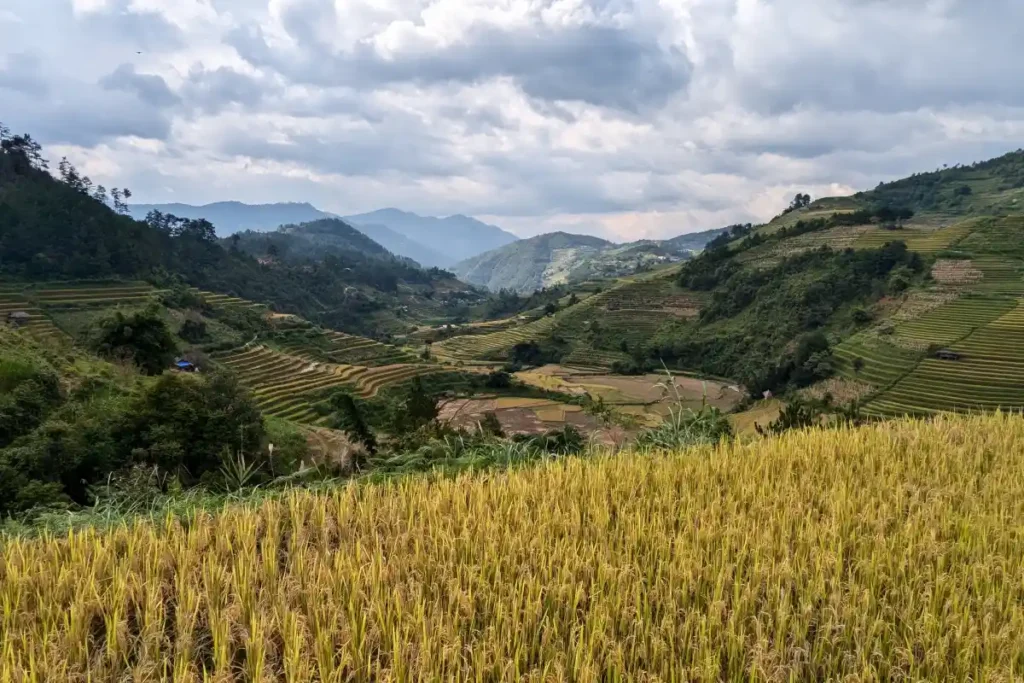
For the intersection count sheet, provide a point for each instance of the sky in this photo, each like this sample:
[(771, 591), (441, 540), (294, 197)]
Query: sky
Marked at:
[(626, 119)]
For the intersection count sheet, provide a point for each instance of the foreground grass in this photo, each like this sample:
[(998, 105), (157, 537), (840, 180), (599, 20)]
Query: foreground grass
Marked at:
[(887, 552)]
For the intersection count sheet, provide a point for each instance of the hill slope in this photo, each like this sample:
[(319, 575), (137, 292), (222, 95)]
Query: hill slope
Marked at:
[(402, 233), (305, 239), (854, 295), (453, 238), (895, 557), (231, 217), (357, 287), (561, 258), (400, 245), (530, 264)]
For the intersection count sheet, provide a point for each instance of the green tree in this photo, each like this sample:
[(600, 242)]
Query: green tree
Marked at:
[(193, 330), (142, 337), (491, 425), (351, 421), (184, 423), (420, 407)]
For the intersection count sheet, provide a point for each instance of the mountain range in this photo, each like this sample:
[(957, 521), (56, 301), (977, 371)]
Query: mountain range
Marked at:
[(442, 241), (430, 241), (560, 258)]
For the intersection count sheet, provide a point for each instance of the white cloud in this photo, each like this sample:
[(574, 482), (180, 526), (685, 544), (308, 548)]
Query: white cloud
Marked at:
[(624, 118)]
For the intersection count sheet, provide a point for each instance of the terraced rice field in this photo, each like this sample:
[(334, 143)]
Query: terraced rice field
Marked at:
[(494, 344), (83, 295), (228, 301), (38, 325), (989, 374), (953, 321), (597, 359), (999, 276), (916, 239), (771, 253), (338, 347), (284, 385), (881, 363), (661, 295), (633, 326)]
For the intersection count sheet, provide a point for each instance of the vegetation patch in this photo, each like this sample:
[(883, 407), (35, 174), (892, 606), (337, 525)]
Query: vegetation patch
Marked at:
[(265, 579)]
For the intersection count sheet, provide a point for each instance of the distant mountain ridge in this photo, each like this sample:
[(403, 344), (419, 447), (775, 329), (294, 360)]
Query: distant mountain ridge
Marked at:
[(430, 241), (311, 239), (231, 217), (563, 258), (453, 239)]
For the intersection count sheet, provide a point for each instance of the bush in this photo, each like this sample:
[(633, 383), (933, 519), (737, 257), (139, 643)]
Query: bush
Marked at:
[(687, 427), (185, 423), (861, 315), (193, 330), (630, 367), (141, 337), (498, 379), (565, 441), (490, 425)]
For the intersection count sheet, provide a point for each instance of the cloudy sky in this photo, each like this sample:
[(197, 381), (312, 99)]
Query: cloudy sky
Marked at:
[(622, 118)]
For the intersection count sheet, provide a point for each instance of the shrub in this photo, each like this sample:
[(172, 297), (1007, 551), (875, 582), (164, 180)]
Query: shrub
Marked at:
[(193, 330), (687, 427), (184, 423), (141, 337)]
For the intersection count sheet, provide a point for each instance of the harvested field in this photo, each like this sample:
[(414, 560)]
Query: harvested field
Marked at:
[(521, 416), (761, 415), (642, 392), (956, 272), (841, 390), (917, 303)]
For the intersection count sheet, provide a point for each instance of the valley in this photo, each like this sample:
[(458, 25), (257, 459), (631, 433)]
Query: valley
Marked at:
[(217, 454)]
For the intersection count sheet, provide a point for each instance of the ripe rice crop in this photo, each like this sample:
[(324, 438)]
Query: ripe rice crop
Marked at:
[(889, 552)]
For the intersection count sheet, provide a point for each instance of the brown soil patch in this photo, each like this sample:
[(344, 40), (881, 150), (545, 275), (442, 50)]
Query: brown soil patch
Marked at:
[(521, 421)]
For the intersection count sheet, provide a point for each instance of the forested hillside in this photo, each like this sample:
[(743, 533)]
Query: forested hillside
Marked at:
[(64, 228), (231, 217), (561, 258)]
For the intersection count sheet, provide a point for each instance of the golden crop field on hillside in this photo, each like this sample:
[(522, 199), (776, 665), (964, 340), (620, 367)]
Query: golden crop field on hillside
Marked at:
[(890, 552)]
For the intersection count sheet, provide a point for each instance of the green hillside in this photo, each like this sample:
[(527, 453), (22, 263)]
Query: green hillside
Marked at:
[(64, 229), (304, 239), (560, 258), (857, 294)]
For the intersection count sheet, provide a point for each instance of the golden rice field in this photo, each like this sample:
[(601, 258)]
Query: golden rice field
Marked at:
[(891, 552)]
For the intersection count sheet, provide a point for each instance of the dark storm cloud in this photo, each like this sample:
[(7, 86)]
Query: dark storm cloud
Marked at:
[(86, 118), (213, 90), (149, 88), (22, 72), (601, 65), (538, 108)]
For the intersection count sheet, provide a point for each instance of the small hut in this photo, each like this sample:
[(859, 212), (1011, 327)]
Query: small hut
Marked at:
[(18, 318), (947, 354)]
